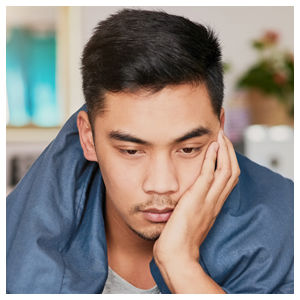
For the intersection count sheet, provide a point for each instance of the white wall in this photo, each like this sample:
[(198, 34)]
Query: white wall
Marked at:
[(30, 15)]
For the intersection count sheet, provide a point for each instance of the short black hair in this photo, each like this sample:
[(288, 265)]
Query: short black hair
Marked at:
[(137, 49)]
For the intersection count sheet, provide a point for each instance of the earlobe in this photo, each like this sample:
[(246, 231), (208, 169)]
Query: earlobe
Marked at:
[(86, 136)]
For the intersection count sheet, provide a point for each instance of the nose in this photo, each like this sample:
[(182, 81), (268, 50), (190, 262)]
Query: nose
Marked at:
[(160, 177)]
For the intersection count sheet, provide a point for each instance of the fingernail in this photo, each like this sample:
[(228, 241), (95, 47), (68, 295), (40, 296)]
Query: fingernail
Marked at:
[(222, 132)]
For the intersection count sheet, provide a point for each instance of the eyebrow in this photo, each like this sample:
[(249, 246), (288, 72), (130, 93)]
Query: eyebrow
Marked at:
[(125, 137), (197, 132)]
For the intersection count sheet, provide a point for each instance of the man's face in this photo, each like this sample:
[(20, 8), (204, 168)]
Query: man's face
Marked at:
[(150, 150)]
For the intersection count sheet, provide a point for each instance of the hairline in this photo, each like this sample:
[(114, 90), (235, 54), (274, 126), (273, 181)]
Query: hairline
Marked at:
[(145, 92)]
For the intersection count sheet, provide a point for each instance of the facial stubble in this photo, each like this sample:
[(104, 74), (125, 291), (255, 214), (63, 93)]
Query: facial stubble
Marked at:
[(157, 202)]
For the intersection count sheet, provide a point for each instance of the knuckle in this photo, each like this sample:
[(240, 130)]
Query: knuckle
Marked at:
[(209, 178), (227, 174), (237, 173), (215, 213)]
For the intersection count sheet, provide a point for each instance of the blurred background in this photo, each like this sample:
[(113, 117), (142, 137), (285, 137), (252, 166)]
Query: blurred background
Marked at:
[(43, 82)]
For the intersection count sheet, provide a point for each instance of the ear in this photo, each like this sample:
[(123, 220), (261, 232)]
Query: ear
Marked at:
[(222, 118), (86, 136)]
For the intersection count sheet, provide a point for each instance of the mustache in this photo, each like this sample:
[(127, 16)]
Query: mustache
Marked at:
[(155, 201)]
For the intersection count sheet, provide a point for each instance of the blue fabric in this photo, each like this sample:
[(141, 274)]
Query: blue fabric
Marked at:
[(56, 239)]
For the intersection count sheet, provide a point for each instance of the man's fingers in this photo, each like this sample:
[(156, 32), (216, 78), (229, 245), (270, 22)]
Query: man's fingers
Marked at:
[(223, 172), (225, 176), (209, 162), (214, 186), (224, 163), (235, 171), (206, 177)]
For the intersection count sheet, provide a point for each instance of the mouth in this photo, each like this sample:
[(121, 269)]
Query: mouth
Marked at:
[(155, 215)]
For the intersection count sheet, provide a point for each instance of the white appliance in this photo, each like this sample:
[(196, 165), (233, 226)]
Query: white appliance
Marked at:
[(272, 147)]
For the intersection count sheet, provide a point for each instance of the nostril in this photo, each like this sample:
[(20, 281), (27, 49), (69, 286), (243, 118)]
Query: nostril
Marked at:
[(161, 183)]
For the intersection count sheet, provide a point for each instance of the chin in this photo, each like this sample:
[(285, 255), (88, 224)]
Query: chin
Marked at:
[(150, 235)]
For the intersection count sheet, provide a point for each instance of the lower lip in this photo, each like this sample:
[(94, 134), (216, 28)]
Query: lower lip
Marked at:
[(157, 217)]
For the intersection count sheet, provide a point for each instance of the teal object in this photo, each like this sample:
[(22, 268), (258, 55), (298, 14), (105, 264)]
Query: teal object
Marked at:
[(16, 78), (31, 78), (41, 78)]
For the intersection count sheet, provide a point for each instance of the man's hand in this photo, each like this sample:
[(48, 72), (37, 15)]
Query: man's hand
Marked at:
[(176, 252)]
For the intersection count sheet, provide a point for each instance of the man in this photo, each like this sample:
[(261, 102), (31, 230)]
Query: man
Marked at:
[(141, 191)]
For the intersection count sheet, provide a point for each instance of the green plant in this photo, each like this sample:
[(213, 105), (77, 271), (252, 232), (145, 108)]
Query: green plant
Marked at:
[(273, 73)]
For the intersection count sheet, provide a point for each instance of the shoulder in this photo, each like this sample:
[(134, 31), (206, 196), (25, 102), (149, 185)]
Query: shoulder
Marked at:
[(259, 174), (263, 198), (259, 185), (55, 205), (250, 247)]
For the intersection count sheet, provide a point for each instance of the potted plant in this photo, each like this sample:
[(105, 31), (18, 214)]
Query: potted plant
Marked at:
[(270, 83)]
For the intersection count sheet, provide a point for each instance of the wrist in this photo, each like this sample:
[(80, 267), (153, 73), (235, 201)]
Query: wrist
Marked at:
[(182, 277), (186, 276), (182, 256), (175, 268), (168, 262)]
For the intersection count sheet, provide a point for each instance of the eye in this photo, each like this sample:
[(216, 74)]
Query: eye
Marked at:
[(131, 152), (189, 150)]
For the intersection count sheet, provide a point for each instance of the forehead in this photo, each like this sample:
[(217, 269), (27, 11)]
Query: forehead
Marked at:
[(159, 116)]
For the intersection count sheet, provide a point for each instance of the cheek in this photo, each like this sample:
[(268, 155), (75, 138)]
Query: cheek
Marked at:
[(121, 181), (188, 171)]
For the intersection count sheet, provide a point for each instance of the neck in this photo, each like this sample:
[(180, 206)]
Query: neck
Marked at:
[(128, 254), (120, 237)]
